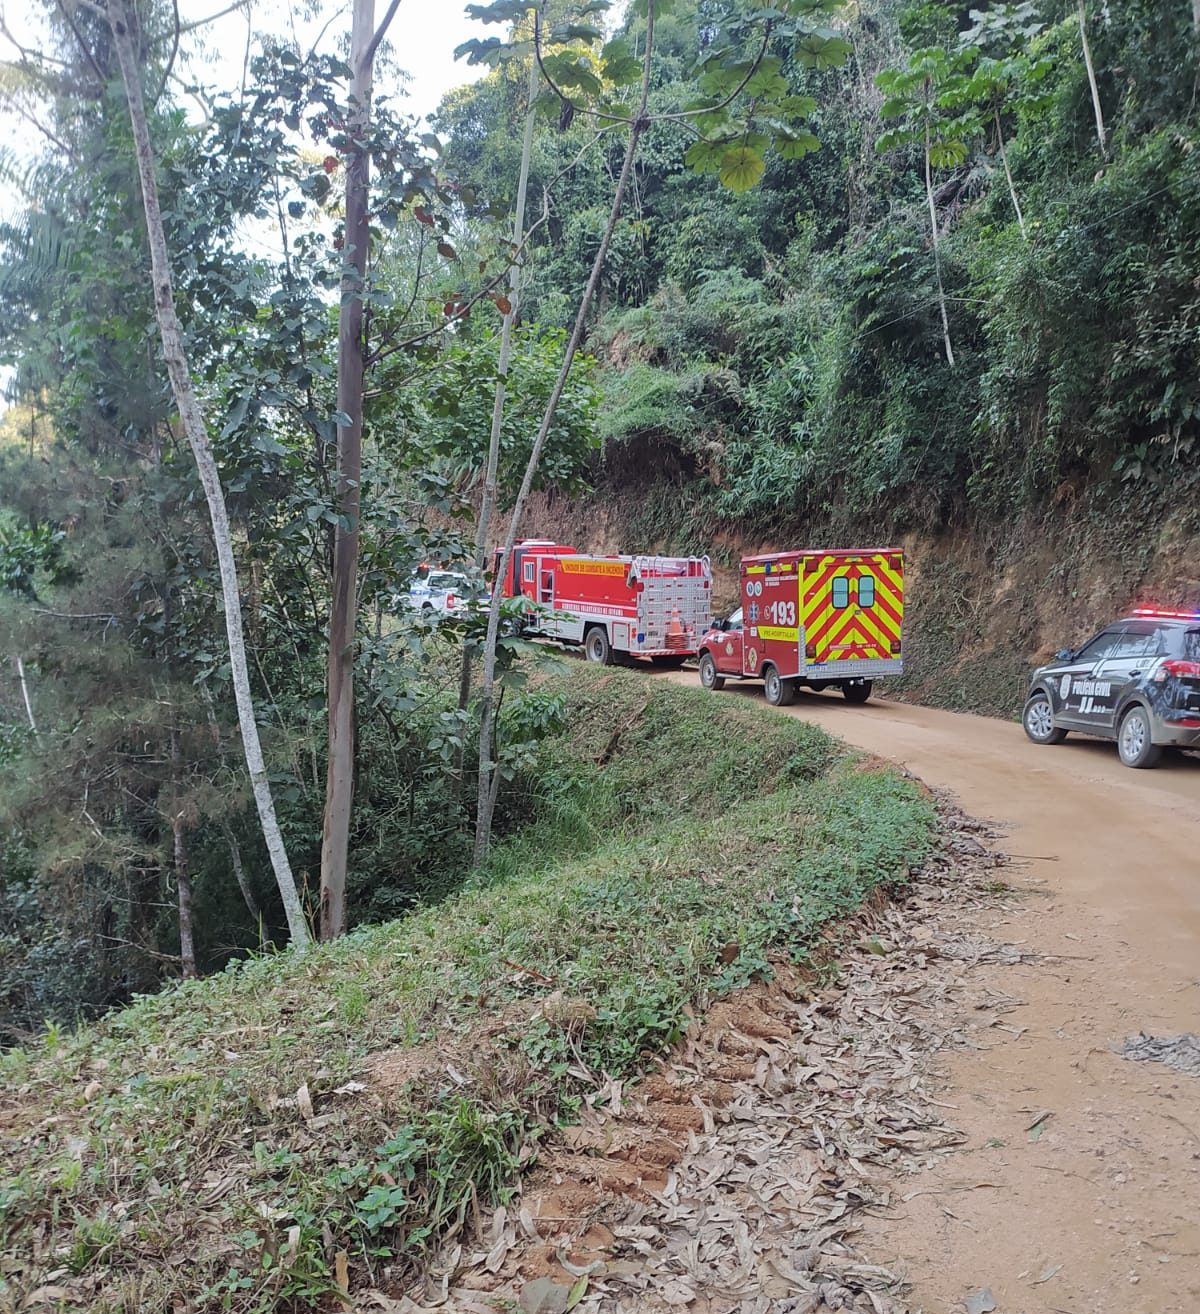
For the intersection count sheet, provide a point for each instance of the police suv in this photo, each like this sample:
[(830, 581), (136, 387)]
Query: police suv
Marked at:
[(1137, 681)]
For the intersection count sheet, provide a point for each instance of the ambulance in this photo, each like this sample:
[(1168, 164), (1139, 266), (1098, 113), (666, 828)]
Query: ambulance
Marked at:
[(812, 618), (613, 607)]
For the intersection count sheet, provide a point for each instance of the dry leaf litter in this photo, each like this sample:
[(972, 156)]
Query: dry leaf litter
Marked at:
[(733, 1180)]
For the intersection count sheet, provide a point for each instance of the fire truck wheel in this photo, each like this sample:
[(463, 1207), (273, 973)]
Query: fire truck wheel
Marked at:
[(708, 673), (780, 692), (596, 646), (856, 691)]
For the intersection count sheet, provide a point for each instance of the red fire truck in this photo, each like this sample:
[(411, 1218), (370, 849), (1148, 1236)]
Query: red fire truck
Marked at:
[(815, 618), (643, 606)]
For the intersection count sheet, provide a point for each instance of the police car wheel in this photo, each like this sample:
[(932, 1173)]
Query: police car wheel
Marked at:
[(1038, 721), (780, 692), (1134, 742), (857, 691), (708, 673), (596, 646)]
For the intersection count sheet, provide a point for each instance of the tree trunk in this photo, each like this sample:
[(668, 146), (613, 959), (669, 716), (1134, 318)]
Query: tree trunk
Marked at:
[(339, 773), (183, 874), (1196, 17), (937, 254), (239, 871), (196, 433), (486, 798), (1091, 72), (1012, 190), (488, 499), (20, 665)]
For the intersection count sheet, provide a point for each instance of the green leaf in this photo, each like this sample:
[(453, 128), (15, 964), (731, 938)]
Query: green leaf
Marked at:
[(820, 51), (563, 34), (500, 11), (479, 52), (741, 168), (705, 156), (947, 154), (796, 145)]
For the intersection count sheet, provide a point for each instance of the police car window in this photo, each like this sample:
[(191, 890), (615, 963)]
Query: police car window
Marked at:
[(443, 581), (841, 591), (1100, 646), (866, 591), (1132, 645)]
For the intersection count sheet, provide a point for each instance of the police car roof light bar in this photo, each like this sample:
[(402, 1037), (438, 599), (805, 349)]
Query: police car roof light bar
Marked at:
[(1161, 614)]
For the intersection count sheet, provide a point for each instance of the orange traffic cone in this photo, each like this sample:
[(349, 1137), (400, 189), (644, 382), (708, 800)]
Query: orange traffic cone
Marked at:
[(675, 635)]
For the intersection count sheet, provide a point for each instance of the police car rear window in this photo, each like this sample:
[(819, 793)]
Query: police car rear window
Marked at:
[(1191, 645)]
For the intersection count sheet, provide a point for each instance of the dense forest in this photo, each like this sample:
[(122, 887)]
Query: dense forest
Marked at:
[(894, 267)]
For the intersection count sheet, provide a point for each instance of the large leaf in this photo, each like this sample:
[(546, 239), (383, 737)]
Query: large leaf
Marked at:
[(741, 168), (947, 154), (818, 50), (562, 34), (705, 156), (479, 52), (795, 145), (500, 11)]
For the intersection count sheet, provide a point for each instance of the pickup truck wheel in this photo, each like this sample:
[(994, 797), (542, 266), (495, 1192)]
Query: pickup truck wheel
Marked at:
[(857, 691), (709, 678), (780, 692), (1038, 721), (1134, 741), (596, 646)]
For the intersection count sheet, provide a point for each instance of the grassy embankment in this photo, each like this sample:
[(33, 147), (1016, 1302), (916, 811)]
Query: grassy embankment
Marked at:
[(237, 1142)]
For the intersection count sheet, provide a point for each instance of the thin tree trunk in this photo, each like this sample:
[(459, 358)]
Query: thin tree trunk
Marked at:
[(937, 254), (486, 795), (488, 500), (196, 433), (1091, 72), (239, 871), (339, 773), (1196, 17), (1012, 190), (183, 874), (20, 665)]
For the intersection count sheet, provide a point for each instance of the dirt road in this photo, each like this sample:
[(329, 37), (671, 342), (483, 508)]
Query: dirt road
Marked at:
[(1096, 1208)]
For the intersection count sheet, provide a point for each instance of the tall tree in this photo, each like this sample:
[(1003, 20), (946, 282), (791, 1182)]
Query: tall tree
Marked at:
[(351, 371), (196, 432), (1097, 108), (744, 108), (488, 494), (921, 94)]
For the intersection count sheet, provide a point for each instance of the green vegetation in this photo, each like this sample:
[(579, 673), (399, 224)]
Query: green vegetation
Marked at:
[(665, 825)]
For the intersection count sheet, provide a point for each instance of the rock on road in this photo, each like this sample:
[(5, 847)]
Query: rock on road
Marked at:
[(1096, 1209)]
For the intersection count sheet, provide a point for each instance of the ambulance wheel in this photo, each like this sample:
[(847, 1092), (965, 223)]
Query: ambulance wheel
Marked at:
[(668, 663), (708, 673), (1134, 744), (596, 646), (1038, 721), (856, 691), (780, 692)]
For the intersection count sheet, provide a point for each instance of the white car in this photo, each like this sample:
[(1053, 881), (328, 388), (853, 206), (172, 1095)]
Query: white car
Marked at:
[(446, 592)]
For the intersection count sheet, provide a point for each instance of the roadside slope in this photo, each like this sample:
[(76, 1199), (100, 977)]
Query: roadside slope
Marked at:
[(1105, 1190), (294, 1127)]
